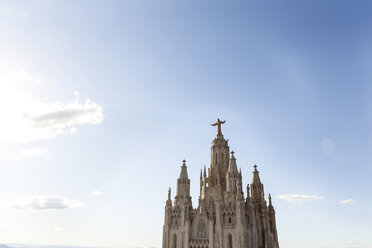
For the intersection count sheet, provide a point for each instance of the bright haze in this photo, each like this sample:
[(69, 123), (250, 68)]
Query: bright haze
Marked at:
[(100, 102)]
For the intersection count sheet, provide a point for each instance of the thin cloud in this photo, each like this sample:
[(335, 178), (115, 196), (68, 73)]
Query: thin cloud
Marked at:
[(26, 119), (347, 201), (62, 115), (97, 193), (31, 152), (299, 198), (345, 244), (73, 130), (18, 13), (53, 229), (23, 75), (25, 13), (38, 203)]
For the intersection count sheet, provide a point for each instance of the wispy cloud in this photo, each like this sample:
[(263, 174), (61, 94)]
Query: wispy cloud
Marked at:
[(23, 75), (25, 119), (347, 201), (96, 193), (53, 229), (299, 198), (31, 152), (73, 130), (37, 203), (24, 13)]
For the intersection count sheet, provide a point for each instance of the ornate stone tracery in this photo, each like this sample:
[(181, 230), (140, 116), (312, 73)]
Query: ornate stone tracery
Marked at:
[(202, 229), (223, 218)]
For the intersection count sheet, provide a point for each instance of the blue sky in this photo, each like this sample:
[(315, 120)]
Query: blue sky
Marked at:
[(102, 100)]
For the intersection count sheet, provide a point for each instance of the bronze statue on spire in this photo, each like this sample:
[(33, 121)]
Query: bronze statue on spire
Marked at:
[(218, 124)]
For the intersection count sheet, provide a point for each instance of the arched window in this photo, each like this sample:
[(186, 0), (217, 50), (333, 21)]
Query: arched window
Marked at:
[(175, 241), (230, 241), (202, 229), (230, 220), (211, 202)]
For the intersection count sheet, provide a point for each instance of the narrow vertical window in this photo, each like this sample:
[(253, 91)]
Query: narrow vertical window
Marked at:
[(175, 241), (211, 202), (230, 241)]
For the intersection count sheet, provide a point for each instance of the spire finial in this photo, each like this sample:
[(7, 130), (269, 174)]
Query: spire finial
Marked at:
[(184, 162), (169, 193), (218, 124), (256, 177), (269, 199), (232, 152)]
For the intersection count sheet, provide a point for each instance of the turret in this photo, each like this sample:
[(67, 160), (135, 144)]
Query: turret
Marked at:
[(239, 190), (201, 182), (248, 194), (183, 184), (169, 200), (219, 157), (257, 190), (232, 165), (272, 224), (232, 174)]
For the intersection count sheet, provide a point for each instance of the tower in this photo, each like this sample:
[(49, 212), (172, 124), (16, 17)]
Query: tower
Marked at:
[(224, 218)]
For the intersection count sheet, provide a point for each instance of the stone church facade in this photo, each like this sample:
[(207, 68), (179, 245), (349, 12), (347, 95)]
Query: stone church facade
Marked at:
[(224, 218)]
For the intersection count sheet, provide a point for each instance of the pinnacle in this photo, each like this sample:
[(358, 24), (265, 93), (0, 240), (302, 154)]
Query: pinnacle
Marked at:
[(256, 177), (183, 174), (232, 165)]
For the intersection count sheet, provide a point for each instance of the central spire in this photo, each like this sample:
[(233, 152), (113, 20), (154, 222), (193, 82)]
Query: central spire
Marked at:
[(219, 159), (218, 124)]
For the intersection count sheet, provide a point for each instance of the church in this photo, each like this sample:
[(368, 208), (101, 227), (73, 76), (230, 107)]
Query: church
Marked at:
[(224, 218)]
